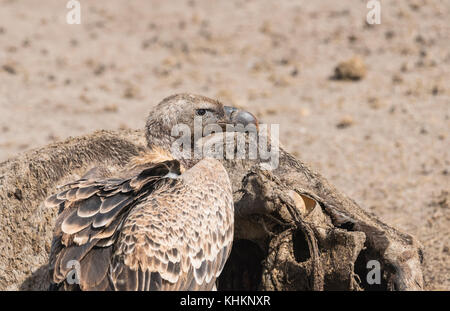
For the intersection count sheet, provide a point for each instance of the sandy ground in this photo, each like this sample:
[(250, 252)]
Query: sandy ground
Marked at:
[(383, 140)]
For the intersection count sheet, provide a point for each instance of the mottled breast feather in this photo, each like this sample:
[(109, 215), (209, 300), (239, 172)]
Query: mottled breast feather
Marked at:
[(146, 232)]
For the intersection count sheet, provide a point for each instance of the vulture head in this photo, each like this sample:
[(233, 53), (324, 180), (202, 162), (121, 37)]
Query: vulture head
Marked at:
[(183, 109)]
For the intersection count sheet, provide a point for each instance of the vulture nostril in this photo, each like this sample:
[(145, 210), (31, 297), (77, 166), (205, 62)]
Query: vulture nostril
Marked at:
[(236, 116), (244, 118), (229, 111)]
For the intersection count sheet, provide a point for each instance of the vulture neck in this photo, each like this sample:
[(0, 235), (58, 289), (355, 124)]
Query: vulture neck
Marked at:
[(157, 154), (159, 143)]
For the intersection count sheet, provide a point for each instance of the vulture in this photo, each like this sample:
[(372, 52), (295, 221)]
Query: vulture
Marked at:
[(161, 223)]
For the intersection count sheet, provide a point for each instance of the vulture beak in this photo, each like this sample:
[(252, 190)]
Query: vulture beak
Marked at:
[(235, 116)]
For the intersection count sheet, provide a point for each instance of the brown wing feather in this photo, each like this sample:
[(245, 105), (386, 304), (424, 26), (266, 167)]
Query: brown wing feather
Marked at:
[(179, 237), (92, 212), (166, 234)]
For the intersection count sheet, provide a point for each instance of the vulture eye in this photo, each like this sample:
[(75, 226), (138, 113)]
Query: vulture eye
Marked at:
[(200, 112)]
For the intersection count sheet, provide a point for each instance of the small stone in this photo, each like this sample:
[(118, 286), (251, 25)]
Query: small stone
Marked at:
[(85, 99), (435, 90), (352, 38), (148, 42), (52, 137), (404, 67), (123, 126), (294, 72), (397, 79), (423, 53), (99, 69), (9, 69), (280, 80), (420, 39), (414, 5), (304, 112), (375, 102), (345, 122), (353, 69), (26, 43), (389, 34), (131, 92), (266, 27), (111, 108), (283, 61), (11, 49), (270, 111)]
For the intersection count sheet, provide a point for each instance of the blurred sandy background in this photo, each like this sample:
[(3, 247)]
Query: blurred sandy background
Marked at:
[(383, 140)]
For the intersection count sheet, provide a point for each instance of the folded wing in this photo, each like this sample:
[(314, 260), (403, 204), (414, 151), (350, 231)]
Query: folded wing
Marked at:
[(147, 232)]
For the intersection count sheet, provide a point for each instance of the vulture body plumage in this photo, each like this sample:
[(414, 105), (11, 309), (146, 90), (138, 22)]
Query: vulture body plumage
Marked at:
[(150, 231), (161, 224)]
